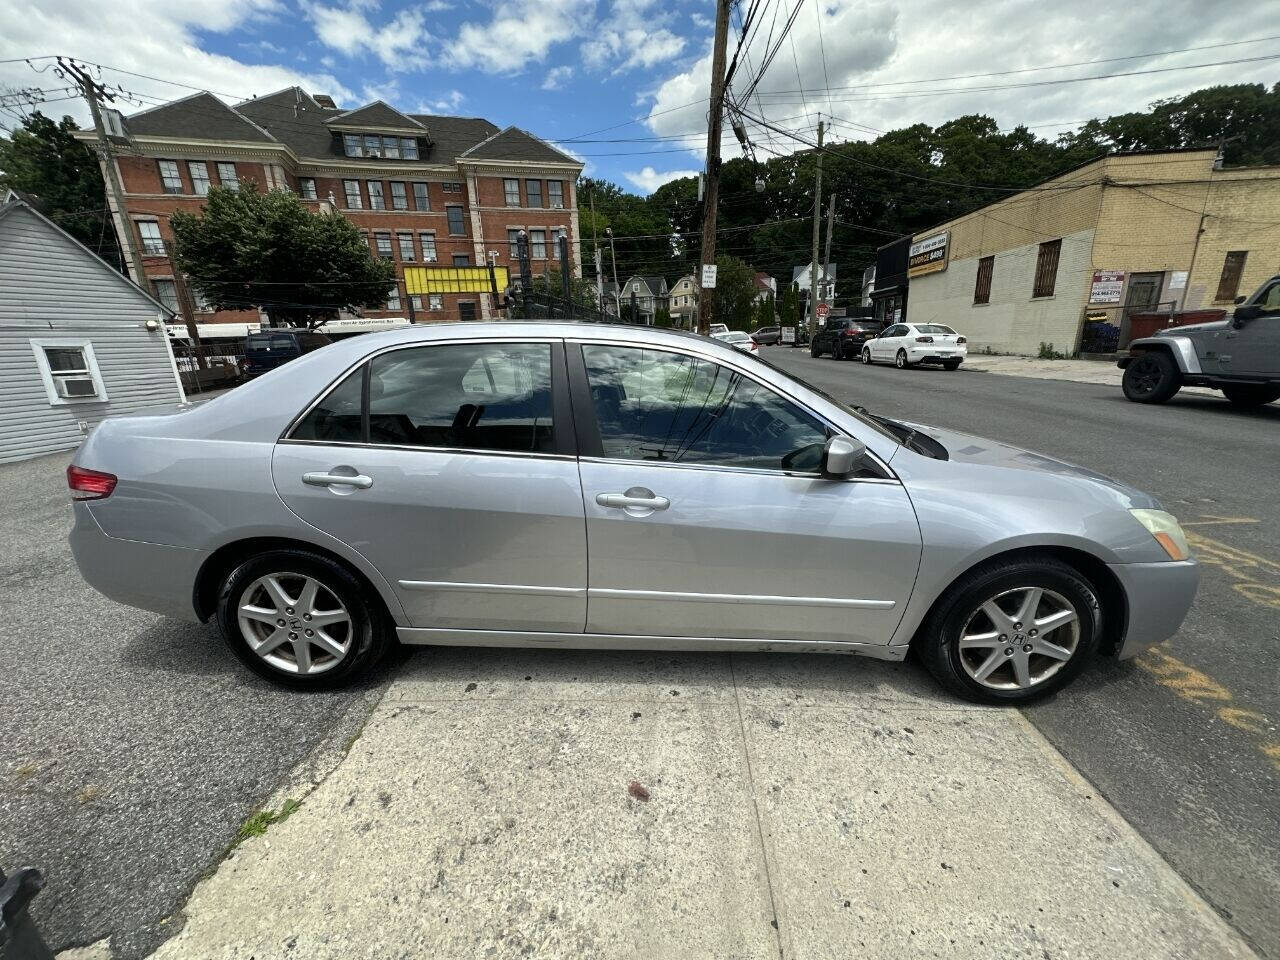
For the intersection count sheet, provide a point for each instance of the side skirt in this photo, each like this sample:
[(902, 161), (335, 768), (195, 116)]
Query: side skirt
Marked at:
[(419, 636)]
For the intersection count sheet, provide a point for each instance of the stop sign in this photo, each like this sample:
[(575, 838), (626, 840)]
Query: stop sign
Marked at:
[(823, 309)]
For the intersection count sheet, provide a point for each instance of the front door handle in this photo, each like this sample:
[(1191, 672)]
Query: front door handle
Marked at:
[(329, 479), (637, 498)]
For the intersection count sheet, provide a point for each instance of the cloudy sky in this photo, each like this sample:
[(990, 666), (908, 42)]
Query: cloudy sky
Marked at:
[(623, 83)]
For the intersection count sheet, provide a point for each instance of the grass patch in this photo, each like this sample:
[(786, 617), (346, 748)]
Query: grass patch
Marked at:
[(257, 825)]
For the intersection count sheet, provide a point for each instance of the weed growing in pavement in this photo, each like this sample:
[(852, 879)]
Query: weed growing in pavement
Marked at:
[(1048, 353), (257, 825)]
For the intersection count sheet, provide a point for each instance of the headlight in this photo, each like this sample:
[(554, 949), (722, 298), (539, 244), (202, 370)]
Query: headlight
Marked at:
[(1164, 527)]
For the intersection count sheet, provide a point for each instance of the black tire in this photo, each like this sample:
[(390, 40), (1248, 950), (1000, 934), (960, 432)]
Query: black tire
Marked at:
[(1151, 377), (814, 351), (369, 633), (900, 360), (1248, 395), (937, 643), (866, 355), (951, 364), (837, 352)]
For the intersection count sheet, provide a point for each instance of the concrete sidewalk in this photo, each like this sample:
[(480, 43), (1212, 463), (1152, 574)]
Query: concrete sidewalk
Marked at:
[(1075, 371), (797, 806)]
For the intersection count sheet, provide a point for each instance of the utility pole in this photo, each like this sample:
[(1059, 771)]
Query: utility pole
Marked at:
[(817, 224), (595, 243), (715, 116), (826, 256), (613, 259)]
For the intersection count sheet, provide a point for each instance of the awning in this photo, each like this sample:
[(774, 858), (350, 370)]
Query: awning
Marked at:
[(214, 331), (363, 324)]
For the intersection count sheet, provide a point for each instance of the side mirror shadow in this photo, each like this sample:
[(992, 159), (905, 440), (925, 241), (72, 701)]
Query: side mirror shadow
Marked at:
[(1240, 299), (841, 457), (1245, 313)]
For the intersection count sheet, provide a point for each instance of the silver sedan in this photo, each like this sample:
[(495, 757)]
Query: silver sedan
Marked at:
[(594, 486)]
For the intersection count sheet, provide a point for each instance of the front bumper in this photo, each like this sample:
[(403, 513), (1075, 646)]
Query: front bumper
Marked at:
[(150, 576), (1158, 597)]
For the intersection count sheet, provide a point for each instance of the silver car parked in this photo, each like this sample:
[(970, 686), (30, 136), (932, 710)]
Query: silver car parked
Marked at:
[(597, 486)]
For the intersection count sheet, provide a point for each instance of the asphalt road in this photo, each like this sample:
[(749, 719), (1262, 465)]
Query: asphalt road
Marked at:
[(132, 746), (1186, 741)]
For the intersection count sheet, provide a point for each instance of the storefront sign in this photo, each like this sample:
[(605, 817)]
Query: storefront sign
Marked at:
[(928, 255), (1107, 285)]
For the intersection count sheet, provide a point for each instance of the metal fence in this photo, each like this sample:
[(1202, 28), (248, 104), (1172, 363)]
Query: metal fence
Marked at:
[(546, 306), (211, 365)]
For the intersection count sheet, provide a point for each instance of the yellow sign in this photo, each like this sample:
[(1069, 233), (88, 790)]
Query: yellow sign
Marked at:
[(928, 255), (423, 280)]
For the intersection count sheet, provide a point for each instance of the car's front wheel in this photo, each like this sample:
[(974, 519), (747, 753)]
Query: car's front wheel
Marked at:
[(814, 351), (301, 619), (1152, 377), (866, 355), (1247, 395), (900, 359), (1012, 631)]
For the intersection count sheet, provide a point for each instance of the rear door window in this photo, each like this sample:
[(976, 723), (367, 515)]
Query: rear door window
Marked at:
[(263, 342), (336, 418)]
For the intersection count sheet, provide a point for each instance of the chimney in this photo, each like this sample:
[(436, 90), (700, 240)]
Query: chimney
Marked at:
[(325, 101)]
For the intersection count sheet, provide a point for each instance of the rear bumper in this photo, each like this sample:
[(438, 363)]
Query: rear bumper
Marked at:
[(150, 576), (1158, 595)]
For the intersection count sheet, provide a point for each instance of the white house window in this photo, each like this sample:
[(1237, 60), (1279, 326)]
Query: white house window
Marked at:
[(421, 200), (399, 199), (538, 244), (166, 293), (405, 241), (170, 178), (376, 202), (152, 242), (428, 241), (69, 371), (352, 189), (555, 194), (199, 171), (511, 191), (307, 187), (228, 177)]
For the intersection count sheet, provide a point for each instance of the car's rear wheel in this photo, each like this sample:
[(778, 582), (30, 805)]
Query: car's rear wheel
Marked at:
[(301, 619), (1012, 631), (866, 354), (1151, 377), (1247, 395), (900, 360), (814, 351)]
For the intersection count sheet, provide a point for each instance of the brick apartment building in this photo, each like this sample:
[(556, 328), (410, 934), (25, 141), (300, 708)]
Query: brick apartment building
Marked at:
[(430, 191)]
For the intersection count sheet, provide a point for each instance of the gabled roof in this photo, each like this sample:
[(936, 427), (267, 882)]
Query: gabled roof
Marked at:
[(516, 144), (654, 284), (450, 136), (376, 114), (13, 205), (201, 116)]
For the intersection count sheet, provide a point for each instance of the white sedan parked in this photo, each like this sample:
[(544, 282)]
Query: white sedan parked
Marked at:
[(738, 340), (906, 344)]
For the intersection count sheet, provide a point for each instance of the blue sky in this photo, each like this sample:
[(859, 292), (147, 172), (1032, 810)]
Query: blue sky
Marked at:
[(565, 68)]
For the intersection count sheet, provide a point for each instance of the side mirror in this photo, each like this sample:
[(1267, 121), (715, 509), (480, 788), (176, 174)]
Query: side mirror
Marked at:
[(841, 457), (1246, 313)]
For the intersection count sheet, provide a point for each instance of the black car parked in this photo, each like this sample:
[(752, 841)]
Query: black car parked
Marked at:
[(269, 349), (843, 337)]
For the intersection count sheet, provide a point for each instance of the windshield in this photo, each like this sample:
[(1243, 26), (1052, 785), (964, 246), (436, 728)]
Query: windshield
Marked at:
[(934, 328), (737, 336)]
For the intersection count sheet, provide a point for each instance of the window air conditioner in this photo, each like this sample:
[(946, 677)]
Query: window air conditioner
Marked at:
[(74, 387)]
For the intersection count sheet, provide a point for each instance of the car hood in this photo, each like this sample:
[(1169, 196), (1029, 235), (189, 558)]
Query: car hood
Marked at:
[(1193, 328), (979, 451)]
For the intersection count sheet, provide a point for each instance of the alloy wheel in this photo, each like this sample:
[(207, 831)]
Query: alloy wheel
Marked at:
[(295, 623), (900, 361), (866, 355), (1019, 638), (1146, 374)]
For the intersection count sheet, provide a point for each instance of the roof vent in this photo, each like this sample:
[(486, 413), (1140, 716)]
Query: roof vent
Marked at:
[(325, 101)]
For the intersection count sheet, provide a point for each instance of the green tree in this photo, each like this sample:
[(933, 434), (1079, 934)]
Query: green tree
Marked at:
[(765, 316), (734, 294), (581, 290), (42, 158), (267, 250), (662, 318)]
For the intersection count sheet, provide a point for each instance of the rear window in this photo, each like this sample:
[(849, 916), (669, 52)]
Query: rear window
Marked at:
[(934, 328), (261, 342)]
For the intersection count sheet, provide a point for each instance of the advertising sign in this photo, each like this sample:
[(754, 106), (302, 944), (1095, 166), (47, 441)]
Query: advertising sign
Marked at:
[(928, 255), (1106, 287)]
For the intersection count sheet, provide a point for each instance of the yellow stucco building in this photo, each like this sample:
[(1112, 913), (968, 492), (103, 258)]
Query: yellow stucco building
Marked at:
[(1123, 235)]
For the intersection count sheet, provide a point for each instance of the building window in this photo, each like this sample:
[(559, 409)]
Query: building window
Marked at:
[(435, 301), (538, 244), (383, 242), (421, 200), (405, 240), (393, 299), (307, 187), (372, 145), (428, 241), (391, 148), (69, 371), (461, 260), (170, 179), (376, 201), (555, 194), (457, 226), (533, 190), (467, 311), (227, 176), (1232, 269), (149, 233), (511, 191), (451, 186), (409, 148), (982, 289), (399, 199), (199, 171), (166, 293), (352, 188), (1047, 268), (513, 244), (415, 301), (351, 145)]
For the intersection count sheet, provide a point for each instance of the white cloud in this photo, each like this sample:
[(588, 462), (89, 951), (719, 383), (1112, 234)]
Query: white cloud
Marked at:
[(633, 34), (519, 33), (648, 179), (446, 104), (348, 30), (436, 6), (263, 46), (701, 22), (556, 77), (169, 47)]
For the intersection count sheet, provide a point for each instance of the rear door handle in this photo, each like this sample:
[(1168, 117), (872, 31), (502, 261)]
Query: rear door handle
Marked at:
[(624, 501), (328, 479)]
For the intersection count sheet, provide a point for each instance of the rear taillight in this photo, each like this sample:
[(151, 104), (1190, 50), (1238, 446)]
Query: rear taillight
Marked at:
[(89, 484), (924, 339), (961, 340)]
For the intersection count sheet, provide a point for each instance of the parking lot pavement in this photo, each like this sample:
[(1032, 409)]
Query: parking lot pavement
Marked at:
[(133, 746), (784, 806)]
